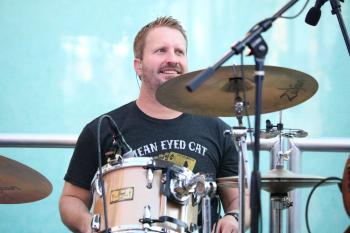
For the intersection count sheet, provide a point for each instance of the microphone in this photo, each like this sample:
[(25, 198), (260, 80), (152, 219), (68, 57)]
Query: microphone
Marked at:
[(128, 154), (119, 148), (314, 14), (126, 150), (119, 145)]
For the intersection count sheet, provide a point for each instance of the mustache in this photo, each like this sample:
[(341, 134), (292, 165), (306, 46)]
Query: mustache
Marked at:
[(171, 66)]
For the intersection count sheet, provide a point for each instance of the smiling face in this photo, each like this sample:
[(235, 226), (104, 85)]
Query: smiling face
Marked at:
[(164, 57)]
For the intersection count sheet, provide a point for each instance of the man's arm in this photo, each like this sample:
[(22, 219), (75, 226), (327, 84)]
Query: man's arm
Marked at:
[(230, 201), (74, 207)]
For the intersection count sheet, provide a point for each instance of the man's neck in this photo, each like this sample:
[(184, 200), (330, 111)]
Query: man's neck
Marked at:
[(151, 107)]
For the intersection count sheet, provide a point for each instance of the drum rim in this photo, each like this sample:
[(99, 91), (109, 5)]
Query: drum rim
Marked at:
[(139, 228), (137, 162)]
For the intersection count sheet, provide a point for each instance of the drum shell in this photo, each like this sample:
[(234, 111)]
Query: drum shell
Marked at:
[(124, 211)]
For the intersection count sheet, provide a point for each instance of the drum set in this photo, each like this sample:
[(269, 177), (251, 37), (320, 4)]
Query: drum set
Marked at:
[(152, 195), (163, 197)]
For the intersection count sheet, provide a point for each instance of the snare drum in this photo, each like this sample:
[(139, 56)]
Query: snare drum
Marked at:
[(138, 200)]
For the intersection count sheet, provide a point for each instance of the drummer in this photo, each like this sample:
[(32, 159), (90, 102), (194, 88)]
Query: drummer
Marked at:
[(153, 130)]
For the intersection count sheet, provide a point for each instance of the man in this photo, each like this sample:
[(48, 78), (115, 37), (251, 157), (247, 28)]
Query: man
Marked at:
[(160, 50)]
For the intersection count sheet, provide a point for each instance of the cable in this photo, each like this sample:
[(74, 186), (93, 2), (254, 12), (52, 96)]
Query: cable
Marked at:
[(268, 21), (309, 197), (114, 126), (137, 81), (100, 180), (294, 16)]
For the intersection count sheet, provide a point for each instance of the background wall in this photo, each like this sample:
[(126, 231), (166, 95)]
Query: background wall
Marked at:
[(65, 62)]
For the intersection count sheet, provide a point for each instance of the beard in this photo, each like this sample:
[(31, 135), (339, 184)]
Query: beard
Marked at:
[(153, 79)]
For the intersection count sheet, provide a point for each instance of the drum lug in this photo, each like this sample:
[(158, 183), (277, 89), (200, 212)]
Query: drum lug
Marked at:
[(196, 198), (149, 178), (97, 186), (147, 212), (146, 220), (193, 228), (95, 222)]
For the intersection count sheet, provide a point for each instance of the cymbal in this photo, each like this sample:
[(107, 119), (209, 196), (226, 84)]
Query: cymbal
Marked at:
[(288, 133), (20, 183), (282, 88), (278, 181)]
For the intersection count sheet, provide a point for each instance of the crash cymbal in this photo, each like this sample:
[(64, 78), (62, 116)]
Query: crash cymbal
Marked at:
[(20, 183), (278, 181), (282, 88)]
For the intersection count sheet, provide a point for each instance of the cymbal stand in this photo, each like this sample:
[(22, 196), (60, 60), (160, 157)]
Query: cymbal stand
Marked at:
[(278, 161), (280, 154), (238, 135), (278, 202)]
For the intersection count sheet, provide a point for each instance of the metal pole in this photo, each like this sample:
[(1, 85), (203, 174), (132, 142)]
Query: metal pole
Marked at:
[(294, 214), (273, 160), (276, 214), (206, 216), (38, 140)]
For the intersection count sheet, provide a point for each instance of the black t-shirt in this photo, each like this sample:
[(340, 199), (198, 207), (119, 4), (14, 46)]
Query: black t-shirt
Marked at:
[(196, 142)]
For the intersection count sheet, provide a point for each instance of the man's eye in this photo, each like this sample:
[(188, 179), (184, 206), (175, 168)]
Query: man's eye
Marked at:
[(180, 52)]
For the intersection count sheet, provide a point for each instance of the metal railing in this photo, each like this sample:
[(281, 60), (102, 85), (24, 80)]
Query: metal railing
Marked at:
[(38, 140), (297, 145)]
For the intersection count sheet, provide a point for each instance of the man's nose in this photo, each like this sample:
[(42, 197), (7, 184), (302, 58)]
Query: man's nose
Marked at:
[(172, 58)]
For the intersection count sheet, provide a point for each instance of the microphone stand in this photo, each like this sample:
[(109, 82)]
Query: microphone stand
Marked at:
[(259, 49), (336, 10)]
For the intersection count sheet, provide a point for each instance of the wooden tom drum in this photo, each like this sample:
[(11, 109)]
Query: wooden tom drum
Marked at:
[(137, 198)]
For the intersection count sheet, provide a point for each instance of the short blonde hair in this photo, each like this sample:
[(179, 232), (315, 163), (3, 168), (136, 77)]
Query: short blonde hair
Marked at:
[(166, 21)]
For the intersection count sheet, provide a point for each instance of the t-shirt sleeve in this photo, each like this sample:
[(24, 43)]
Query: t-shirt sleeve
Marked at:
[(83, 164), (229, 159)]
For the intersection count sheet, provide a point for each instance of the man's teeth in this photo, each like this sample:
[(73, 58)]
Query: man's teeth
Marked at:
[(170, 72)]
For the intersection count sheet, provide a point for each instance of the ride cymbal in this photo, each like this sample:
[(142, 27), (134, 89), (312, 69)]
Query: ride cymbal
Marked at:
[(20, 183), (282, 88)]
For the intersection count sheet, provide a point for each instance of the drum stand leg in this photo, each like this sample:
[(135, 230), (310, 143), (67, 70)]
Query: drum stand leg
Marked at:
[(278, 203), (206, 216)]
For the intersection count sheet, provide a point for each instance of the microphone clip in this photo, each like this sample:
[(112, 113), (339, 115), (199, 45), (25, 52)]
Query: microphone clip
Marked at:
[(115, 151)]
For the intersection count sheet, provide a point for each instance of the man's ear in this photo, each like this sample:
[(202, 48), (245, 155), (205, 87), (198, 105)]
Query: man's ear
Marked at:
[(138, 66)]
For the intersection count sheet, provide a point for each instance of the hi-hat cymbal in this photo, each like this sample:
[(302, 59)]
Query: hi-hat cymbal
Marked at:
[(20, 183), (282, 88), (288, 133), (278, 181)]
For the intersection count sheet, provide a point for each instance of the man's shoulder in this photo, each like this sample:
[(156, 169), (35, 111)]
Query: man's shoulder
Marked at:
[(126, 108), (116, 114), (209, 120)]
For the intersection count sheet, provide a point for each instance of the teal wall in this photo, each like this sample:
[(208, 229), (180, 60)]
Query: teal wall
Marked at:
[(65, 62)]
